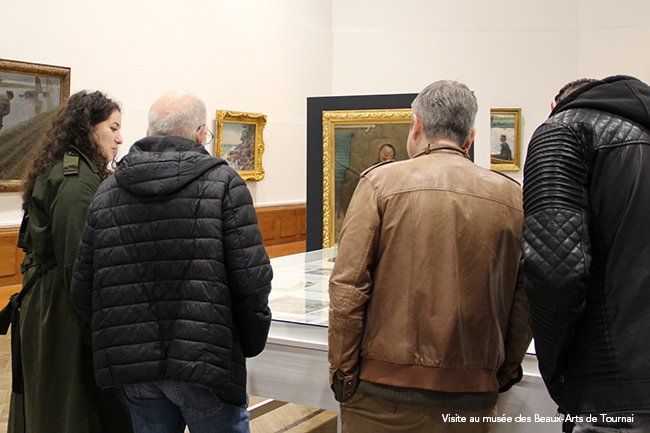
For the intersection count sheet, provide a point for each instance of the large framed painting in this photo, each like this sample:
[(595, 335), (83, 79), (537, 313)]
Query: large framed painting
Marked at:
[(346, 135), (354, 140), (239, 140), (358, 126), (30, 95), (505, 139)]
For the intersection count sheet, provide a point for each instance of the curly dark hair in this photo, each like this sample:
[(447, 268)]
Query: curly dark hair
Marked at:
[(72, 126)]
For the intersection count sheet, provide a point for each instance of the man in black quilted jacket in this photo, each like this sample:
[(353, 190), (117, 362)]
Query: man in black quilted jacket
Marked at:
[(173, 277), (586, 245)]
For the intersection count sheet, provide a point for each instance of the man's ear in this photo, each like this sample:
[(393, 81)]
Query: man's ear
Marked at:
[(201, 134), (553, 105), (470, 140), (416, 127)]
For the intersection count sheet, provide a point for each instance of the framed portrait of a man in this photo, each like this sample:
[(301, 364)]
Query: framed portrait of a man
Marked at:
[(505, 139), (357, 127), (353, 141)]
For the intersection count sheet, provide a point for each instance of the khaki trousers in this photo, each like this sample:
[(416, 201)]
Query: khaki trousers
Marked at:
[(363, 414)]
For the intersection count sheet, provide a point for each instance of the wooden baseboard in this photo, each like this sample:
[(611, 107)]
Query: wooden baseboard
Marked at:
[(10, 257), (284, 230), (6, 292), (282, 224)]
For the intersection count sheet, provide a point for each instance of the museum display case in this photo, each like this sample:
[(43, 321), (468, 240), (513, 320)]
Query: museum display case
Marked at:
[(294, 368)]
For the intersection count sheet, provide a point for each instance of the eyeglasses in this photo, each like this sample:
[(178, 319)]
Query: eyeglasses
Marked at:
[(209, 136)]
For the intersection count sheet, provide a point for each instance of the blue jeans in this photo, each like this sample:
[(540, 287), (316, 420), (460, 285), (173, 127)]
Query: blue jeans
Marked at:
[(611, 423), (166, 406)]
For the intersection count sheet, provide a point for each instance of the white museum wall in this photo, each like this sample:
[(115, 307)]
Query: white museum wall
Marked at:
[(268, 57), (512, 54), (504, 51), (614, 37), (244, 55)]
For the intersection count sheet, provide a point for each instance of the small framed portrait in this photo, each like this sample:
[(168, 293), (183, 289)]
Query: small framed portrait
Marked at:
[(505, 139), (30, 95), (239, 140)]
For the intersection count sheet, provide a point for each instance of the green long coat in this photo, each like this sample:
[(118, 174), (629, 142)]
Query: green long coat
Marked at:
[(60, 395)]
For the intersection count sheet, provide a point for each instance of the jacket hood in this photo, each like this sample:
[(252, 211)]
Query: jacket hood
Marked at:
[(160, 165), (619, 95)]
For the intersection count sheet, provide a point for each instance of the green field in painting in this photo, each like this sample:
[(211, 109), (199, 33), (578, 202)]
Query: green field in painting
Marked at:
[(18, 145)]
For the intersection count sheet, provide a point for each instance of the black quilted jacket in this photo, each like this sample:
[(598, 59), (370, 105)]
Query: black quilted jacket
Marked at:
[(586, 245), (172, 272)]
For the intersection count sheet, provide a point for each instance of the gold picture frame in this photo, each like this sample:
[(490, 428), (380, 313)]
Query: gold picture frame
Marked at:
[(388, 126), (242, 133), (30, 95), (505, 128)]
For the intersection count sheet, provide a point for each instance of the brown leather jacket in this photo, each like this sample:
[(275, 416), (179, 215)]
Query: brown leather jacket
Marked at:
[(425, 293)]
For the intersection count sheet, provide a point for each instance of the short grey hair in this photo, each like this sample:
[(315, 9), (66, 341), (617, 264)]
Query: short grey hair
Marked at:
[(182, 123), (447, 110)]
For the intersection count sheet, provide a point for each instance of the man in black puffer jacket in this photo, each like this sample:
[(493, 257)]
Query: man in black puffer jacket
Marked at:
[(174, 278), (586, 244)]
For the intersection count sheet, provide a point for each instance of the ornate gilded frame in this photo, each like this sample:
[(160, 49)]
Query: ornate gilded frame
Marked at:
[(24, 129), (316, 106), (505, 122), (226, 121), (331, 120)]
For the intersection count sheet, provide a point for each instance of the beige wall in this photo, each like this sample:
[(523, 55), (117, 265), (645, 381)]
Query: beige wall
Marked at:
[(246, 55), (269, 56), (512, 54)]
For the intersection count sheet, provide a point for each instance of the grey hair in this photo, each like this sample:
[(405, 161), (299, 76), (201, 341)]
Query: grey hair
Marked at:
[(182, 123), (447, 110)]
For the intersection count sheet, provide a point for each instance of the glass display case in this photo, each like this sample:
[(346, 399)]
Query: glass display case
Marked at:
[(300, 287), (294, 367)]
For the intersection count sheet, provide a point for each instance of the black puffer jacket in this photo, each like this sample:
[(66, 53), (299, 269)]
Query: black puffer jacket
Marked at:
[(172, 271), (586, 245)]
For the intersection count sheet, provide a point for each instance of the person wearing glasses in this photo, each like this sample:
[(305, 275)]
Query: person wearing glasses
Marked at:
[(173, 276)]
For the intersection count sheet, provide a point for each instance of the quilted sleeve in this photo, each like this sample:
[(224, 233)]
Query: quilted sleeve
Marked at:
[(81, 291), (248, 268), (555, 243)]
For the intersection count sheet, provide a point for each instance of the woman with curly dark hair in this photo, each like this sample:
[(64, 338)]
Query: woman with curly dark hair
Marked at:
[(53, 382)]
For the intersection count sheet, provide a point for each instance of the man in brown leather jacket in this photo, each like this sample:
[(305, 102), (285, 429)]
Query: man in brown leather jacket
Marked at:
[(428, 316)]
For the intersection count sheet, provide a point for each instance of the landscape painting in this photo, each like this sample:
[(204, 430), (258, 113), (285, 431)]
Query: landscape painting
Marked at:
[(30, 95), (239, 145), (239, 140)]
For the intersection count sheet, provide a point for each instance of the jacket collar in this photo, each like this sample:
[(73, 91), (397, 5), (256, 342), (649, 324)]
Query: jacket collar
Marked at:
[(438, 147), (170, 143)]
